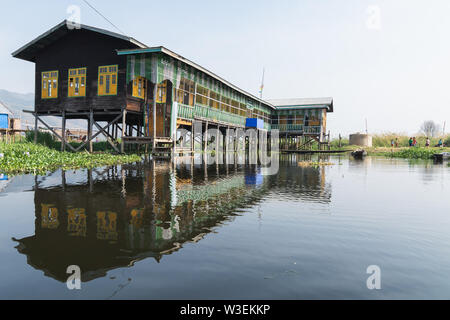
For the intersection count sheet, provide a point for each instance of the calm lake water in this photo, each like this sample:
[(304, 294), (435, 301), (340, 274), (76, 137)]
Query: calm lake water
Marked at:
[(181, 231)]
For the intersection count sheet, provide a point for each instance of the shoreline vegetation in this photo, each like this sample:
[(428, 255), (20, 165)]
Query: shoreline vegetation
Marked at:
[(402, 152), (382, 147), (25, 157)]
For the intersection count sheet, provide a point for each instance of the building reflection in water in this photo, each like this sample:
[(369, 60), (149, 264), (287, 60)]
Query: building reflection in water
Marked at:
[(121, 215)]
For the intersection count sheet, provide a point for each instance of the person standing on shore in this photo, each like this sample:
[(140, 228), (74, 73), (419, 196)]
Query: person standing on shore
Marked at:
[(427, 144), (440, 144), (414, 142), (411, 142)]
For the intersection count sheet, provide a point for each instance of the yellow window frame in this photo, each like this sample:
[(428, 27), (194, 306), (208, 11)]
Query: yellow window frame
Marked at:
[(185, 94), (76, 82), (138, 87), (49, 84), (161, 93), (107, 83)]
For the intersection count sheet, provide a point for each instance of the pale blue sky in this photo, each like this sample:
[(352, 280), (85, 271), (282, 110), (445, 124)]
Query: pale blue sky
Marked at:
[(396, 76)]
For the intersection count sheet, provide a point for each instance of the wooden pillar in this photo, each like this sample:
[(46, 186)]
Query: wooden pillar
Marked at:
[(130, 134), (236, 141), (90, 129), (35, 128), (225, 146), (63, 179), (217, 139), (91, 181), (226, 139), (257, 139), (247, 140), (130, 130), (63, 131), (192, 139), (205, 138), (155, 92), (124, 123), (139, 128)]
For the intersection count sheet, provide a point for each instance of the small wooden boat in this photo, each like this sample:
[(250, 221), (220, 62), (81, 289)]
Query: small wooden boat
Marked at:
[(442, 156), (359, 154)]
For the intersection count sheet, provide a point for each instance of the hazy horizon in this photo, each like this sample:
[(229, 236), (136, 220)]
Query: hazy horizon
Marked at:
[(390, 69)]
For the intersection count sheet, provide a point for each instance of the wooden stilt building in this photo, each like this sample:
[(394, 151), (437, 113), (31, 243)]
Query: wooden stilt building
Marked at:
[(145, 95)]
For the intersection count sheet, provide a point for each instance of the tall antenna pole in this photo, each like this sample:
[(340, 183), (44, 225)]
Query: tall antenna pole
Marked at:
[(443, 130), (261, 89), (367, 127), (262, 84)]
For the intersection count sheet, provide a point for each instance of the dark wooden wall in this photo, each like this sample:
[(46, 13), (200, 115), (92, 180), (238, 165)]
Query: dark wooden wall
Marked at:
[(82, 49)]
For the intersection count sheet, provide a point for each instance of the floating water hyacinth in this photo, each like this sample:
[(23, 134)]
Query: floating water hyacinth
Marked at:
[(413, 153), (22, 158)]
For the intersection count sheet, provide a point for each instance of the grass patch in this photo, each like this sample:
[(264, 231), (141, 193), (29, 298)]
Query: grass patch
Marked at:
[(384, 141), (22, 158)]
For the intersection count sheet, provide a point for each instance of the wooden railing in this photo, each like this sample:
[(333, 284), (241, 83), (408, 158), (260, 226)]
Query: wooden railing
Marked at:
[(185, 112), (190, 113), (297, 128), (312, 130), (287, 127), (215, 115)]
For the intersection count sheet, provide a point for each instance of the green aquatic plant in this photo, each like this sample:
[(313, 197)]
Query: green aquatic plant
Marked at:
[(334, 144), (413, 153), (43, 138), (22, 158)]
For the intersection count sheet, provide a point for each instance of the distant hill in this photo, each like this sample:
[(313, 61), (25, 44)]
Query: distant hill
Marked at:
[(17, 102)]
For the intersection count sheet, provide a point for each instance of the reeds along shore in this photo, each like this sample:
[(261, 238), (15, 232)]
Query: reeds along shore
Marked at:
[(384, 141)]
